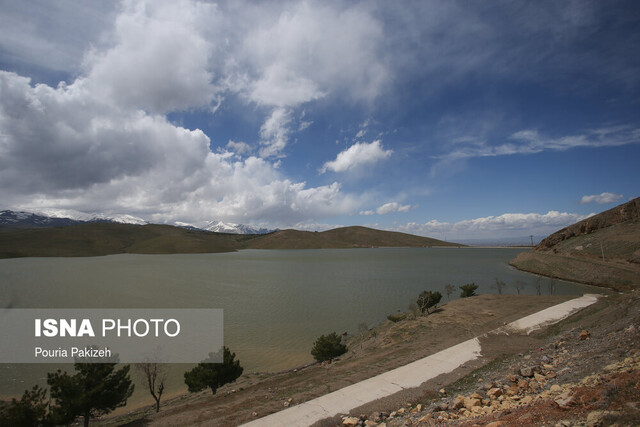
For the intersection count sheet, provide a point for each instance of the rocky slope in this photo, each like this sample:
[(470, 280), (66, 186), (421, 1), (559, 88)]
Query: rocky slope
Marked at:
[(603, 250), (583, 372)]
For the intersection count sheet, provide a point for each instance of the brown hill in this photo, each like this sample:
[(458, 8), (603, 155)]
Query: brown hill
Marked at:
[(345, 237), (108, 238), (602, 250)]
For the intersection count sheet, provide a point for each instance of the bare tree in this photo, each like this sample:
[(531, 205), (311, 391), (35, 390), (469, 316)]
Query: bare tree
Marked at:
[(500, 285), (538, 286), (519, 285), (449, 289), (552, 286), (155, 375)]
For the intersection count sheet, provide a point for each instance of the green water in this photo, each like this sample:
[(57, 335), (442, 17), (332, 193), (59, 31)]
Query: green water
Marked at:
[(276, 302)]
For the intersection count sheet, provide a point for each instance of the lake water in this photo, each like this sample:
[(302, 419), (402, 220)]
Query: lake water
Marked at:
[(276, 302)]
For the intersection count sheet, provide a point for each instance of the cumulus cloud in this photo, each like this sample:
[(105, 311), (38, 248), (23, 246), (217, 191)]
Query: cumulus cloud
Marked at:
[(103, 142), (602, 198), (508, 224), (357, 155), (388, 208)]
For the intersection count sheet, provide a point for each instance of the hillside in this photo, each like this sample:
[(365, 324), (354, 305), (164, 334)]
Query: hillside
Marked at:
[(109, 238), (97, 239), (345, 237), (602, 250)]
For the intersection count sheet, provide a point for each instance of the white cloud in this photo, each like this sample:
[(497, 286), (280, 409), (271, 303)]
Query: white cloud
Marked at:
[(530, 142), (505, 225), (159, 60), (388, 208), (357, 155), (274, 133), (239, 147), (602, 198)]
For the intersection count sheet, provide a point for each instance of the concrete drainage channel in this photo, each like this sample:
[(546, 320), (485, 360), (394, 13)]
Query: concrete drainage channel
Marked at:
[(413, 374)]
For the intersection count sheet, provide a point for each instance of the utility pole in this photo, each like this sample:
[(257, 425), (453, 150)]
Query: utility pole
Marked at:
[(531, 237)]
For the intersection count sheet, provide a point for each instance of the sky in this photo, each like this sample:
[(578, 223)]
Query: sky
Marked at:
[(449, 119)]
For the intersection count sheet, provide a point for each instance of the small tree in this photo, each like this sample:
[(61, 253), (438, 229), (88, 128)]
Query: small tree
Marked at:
[(154, 374), (500, 285), (428, 299), (30, 410), (449, 289), (519, 285), (96, 389), (468, 290), (328, 347), (213, 375), (538, 286)]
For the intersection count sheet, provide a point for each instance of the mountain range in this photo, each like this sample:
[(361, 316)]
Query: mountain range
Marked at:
[(62, 218)]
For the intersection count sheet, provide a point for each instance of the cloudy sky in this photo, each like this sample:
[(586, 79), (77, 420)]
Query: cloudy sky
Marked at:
[(440, 118)]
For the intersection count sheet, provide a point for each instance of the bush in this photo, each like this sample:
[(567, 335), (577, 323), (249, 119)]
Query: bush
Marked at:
[(428, 299), (213, 375), (328, 347), (397, 317), (468, 290)]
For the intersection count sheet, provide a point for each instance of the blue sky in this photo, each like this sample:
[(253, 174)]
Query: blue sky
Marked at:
[(464, 120)]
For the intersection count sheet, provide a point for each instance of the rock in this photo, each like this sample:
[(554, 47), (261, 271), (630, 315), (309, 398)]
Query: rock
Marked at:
[(286, 404), (370, 423), (584, 335), (526, 400), (494, 393), (522, 384), (443, 392), (526, 372), (476, 395), (254, 414), (443, 406), (419, 407), (539, 377), (400, 411), (512, 378), (470, 402), (555, 388), (425, 418), (496, 424), (564, 400), (458, 402), (351, 421), (595, 418)]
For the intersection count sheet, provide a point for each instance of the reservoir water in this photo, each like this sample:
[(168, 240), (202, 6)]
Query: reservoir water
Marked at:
[(276, 302)]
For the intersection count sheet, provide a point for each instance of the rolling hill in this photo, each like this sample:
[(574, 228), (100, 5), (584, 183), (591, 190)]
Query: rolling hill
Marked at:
[(602, 250), (95, 239)]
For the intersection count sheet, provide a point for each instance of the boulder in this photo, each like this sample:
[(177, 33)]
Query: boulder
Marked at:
[(351, 421), (470, 402), (494, 393), (458, 402), (584, 335), (564, 400), (527, 371)]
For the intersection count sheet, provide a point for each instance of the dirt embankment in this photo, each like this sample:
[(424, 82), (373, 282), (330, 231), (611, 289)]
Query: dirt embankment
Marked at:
[(603, 250), (371, 352), (584, 371)]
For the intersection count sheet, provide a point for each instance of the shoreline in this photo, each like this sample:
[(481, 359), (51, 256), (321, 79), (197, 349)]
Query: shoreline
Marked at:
[(384, 347)]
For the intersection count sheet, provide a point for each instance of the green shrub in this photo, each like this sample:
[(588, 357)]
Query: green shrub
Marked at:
[(397, 317), (213, 375), (328, 347), (428, 299), (468, 290)]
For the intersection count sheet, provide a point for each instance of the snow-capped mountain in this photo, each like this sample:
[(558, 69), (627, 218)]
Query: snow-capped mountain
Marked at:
[(66, 217), (59, 218), (12, 219), (231, 228)]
